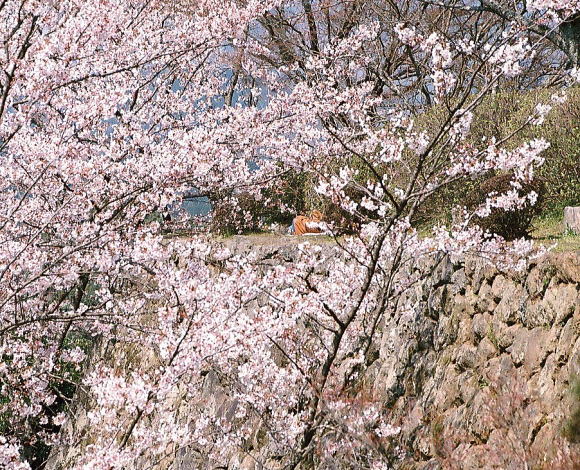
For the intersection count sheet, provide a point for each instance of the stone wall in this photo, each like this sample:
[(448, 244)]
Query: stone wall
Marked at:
[(478, 375)]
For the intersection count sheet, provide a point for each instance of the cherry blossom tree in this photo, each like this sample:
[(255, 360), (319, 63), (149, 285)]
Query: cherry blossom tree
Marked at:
[(112, 111), (557, 21)]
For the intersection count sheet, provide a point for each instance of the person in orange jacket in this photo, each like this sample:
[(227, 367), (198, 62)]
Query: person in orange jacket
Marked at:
[(307, 224)]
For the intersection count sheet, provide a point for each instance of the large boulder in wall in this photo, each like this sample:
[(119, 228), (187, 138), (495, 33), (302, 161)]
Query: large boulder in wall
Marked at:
[(572, 219)]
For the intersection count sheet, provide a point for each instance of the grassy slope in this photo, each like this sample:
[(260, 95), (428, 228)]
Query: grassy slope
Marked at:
[(549, 230)]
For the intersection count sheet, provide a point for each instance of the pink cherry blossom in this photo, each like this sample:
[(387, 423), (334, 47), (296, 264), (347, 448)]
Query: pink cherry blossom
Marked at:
[(112, 113)]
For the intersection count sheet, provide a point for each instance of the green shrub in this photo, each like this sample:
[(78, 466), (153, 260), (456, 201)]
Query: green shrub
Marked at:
[(63, 381), (504, 113), (508, 224), (499, 116), (241, 212), (572, 425)]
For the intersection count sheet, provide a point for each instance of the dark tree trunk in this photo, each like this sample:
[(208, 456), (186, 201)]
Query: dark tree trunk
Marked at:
[(570, 31)]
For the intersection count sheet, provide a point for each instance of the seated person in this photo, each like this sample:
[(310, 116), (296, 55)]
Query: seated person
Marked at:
[(302, 225)]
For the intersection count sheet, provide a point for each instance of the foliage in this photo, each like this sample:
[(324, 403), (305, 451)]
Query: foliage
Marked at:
[(293, 194), (503, 114), (508, 224), (560, 173), (67, 376), (241, 212), (572, 424), (499, 116)]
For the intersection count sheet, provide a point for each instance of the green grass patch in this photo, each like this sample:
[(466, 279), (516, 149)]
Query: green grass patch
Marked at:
[(549, 230)]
